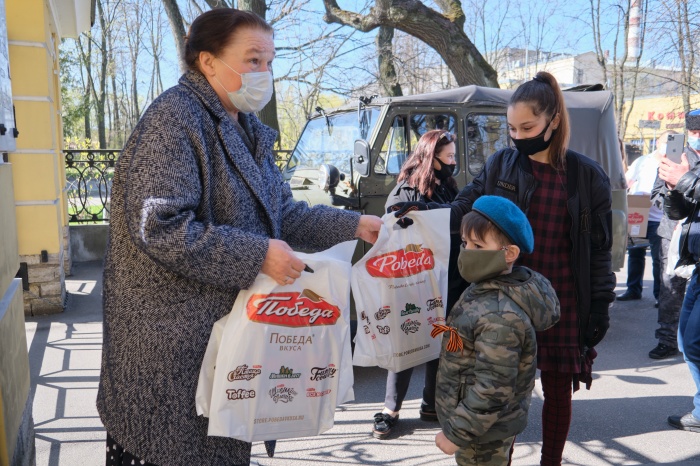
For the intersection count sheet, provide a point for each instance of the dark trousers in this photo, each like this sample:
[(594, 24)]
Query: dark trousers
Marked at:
[(636, 259), (556, 415), (689, 336), (397, 386), (671, 296)]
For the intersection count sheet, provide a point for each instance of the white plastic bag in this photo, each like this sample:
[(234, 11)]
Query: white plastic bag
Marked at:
[(400, 288), (206, 373), (283, 363), (684, 271)]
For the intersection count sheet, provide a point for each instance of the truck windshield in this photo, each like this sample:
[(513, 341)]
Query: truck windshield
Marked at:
[(331, 140)]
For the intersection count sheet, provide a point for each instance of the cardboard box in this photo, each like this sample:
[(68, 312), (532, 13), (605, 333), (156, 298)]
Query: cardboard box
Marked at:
[(638, 214)]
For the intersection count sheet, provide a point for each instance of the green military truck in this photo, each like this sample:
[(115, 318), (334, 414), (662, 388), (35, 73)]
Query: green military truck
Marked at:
[(350, 157)]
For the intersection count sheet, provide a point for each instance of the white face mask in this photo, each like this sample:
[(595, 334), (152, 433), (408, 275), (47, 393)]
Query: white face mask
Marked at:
[(255, 92)]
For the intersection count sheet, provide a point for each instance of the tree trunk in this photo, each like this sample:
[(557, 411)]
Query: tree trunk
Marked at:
[(101, 130), (444, 33), (86, 58), (178, 27), (385, 58), (601, 55), (268, 115), (686, 52), (115, 138)]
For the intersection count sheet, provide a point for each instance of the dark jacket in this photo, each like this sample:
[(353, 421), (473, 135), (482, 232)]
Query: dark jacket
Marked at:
[(508, 174), (192, 212), (443, 195), (658, 194), (483, 391), (684, 201)]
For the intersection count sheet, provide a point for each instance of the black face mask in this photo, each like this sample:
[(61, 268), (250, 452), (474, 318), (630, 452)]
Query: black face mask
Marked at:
[(445, 171), (530, 146)]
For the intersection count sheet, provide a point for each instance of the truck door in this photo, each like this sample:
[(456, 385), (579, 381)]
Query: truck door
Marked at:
[(392, 148)]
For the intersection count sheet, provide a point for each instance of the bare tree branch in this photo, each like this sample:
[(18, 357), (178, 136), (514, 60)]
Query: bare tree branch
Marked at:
[(443, 32)]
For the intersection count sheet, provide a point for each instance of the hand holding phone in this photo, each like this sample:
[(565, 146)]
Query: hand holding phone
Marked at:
[(674, 147)]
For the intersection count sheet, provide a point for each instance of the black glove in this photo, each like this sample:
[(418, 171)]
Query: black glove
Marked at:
[(598, 324), (402, 208)]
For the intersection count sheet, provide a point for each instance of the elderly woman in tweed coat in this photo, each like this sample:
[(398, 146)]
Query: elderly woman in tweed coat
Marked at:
[(198, 210)]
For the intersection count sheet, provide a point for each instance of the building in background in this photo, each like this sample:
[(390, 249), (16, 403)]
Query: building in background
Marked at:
[(657, 96), (34, 31), (33, 211), (519, 65)]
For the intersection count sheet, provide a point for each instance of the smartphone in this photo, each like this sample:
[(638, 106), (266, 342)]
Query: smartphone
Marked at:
[(674, 147)]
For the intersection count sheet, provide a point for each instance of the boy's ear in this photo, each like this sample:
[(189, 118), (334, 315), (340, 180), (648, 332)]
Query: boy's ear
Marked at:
[(512, 253)]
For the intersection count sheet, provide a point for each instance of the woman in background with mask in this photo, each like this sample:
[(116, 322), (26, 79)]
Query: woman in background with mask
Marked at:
[(567, 199), (426, 177), (199, 208)]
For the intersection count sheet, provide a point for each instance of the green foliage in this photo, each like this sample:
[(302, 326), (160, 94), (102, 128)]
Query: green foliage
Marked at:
[(73, 109), (294, 109), (77, 143)]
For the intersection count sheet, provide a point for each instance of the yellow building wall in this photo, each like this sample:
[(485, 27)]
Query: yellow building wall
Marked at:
[(38, 172), (37, 227), (668, 111), (14, 363)]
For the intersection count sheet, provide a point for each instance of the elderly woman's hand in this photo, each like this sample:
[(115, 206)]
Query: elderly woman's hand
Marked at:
[(368, 229), (281, 264)]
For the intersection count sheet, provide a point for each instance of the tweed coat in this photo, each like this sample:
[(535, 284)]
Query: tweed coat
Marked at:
[(192, 212)]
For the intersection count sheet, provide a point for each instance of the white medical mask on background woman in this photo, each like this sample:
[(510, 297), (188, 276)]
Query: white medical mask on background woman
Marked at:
[(255, 92)]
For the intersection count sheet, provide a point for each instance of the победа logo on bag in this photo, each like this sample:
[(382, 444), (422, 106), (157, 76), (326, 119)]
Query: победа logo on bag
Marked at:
[(244, 373), (411, 260), (285, 373), (282, 393), (292, 309)]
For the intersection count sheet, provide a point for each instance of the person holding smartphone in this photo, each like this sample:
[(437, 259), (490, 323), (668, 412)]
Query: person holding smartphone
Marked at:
[(671, 287), (682, 200), (641, 176)]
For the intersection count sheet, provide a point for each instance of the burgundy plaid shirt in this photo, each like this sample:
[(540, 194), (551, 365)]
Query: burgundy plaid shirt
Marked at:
[(557, 348)]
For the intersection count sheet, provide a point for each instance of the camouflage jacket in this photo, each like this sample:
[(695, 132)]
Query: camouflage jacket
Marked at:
[(483, 391)]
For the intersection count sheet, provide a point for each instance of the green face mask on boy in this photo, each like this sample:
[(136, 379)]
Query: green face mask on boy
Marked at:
[(476, 265)]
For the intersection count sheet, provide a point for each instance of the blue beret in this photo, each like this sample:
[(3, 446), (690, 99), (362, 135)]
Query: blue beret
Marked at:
[(692, 120), (509, 219)]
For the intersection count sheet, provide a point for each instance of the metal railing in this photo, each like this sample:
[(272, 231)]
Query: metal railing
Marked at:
[(89, 174)]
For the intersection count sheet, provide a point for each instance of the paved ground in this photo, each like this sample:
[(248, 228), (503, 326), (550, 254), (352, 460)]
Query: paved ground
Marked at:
[(621, 421)]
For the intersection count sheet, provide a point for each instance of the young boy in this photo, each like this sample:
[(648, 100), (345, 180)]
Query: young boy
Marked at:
[(487, 364)]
